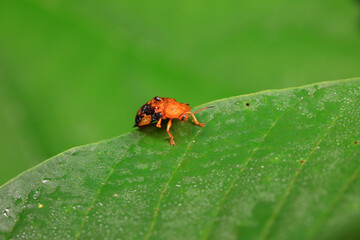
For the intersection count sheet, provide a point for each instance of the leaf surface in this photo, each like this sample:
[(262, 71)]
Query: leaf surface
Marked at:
[(280, 164)]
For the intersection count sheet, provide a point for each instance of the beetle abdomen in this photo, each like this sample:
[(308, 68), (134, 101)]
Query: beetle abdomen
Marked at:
[(146, 115)]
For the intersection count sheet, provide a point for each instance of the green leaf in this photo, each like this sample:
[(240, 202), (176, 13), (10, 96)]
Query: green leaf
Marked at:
[(271, 165)]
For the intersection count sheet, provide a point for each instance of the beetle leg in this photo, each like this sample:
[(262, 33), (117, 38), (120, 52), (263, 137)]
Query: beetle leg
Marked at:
[(159, 123), (196, 121), (168, 131)]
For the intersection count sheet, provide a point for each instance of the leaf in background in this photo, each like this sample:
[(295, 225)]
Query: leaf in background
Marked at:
[(272, 165)]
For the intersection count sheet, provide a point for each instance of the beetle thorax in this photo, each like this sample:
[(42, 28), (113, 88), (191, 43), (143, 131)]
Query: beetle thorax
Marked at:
[(175, 109)]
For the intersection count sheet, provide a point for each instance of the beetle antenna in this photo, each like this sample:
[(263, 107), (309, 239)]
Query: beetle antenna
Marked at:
[(203, 109)]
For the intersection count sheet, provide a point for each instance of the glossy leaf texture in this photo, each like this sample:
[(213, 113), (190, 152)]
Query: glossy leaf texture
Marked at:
[(279, 164)]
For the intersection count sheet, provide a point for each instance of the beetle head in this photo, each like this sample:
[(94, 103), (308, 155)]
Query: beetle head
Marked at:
[(183, 117)]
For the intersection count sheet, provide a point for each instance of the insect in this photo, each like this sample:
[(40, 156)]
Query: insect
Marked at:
[(160, 108)]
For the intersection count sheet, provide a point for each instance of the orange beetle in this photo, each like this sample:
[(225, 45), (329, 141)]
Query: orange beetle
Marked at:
[(160, 108)]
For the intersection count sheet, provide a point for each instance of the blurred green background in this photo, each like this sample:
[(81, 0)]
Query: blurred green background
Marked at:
[(76, 72)]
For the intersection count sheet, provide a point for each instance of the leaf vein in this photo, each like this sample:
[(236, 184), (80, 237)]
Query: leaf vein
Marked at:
[(222, 201), (156, 212), (78, 233), (333, 203), (271, 220), (24, 203)]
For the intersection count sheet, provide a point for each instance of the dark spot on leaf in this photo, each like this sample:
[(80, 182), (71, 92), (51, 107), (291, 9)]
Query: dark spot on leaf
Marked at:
[(75, 153), (302, 161), (251, 127), (356, 142), (248, 104)]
